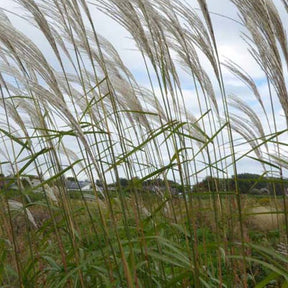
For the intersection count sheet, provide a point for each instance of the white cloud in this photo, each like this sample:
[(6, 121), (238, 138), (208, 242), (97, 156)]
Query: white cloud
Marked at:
[(230, 46)]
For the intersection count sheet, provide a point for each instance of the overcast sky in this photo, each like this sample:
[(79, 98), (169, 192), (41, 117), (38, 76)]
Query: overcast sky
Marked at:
[(230, 44), (227, 33), (228, 37)]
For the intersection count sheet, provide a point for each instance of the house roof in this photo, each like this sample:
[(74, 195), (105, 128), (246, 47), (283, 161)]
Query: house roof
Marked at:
[(76, 185)]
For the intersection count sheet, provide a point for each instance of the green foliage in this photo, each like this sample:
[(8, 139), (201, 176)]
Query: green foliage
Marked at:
[(247, 184)]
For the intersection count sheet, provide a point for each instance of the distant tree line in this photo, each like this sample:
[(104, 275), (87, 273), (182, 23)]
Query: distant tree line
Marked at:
[(247, 184), (150, 185)]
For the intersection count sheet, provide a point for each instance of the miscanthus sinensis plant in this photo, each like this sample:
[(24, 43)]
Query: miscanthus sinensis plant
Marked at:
[(70, 106)]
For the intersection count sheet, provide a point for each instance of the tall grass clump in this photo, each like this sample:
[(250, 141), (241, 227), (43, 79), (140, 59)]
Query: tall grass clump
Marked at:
[(165, 206)]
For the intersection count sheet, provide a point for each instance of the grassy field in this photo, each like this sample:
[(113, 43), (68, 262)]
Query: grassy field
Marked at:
[(165, 144), (153, 239)]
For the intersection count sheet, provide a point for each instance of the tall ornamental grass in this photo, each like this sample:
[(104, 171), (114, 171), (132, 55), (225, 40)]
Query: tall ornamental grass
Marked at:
[(70, 107)]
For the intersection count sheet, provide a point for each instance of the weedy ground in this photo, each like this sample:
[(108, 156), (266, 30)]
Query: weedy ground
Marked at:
[(159, 241)]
